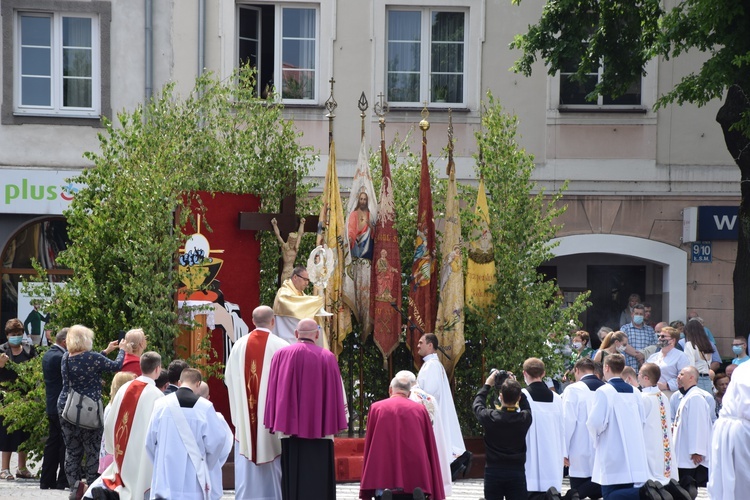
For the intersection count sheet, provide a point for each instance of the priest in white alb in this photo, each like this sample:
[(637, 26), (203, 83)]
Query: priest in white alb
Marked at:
[(187, 443), (657, 426), (257, 452), (692, 429), (291, 305), (125, 428), (434, 381)]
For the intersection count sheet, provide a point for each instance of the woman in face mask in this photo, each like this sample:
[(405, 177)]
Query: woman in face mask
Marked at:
[(13, 351), (612, 343)]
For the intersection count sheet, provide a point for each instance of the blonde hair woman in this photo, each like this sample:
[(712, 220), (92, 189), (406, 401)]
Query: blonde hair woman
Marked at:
[(136, 342), (82, 371), (612, 343)]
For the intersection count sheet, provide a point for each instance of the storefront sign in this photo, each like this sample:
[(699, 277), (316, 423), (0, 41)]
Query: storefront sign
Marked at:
[(36, 191)]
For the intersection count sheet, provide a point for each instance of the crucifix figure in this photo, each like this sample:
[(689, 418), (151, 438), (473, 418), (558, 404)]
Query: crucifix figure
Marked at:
[(286, 222), (289, 247)]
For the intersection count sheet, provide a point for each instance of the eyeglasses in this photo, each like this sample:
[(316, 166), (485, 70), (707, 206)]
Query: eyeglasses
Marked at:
[(664, 337), (307, 280)]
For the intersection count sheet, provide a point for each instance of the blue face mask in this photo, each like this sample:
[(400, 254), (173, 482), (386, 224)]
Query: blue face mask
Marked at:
[(15, 339), (637, 319), (737, 349)]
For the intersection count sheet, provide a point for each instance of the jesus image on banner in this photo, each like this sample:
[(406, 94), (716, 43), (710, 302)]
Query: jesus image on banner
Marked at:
[(360, 226)]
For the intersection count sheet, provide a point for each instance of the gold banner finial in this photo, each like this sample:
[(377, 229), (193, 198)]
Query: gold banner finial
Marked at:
[(331, 106), (451, 166), (381, 108), (424, 125)]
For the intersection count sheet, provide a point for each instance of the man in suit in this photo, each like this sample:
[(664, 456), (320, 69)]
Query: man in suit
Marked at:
[(53, 462)]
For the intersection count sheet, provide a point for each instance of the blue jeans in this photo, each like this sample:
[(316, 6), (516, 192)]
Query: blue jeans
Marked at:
[(502, 483), (620, 492)]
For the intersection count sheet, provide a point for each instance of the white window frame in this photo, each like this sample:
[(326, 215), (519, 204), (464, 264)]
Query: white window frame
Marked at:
[(474, 11), (425, 56), (56, 108), (322, 30), (611, 114)]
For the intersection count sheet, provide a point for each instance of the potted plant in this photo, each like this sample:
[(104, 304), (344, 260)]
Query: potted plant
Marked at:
[(440, 93)]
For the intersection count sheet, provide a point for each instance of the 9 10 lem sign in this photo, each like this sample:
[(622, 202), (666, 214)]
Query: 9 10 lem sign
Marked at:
[(701, 251)]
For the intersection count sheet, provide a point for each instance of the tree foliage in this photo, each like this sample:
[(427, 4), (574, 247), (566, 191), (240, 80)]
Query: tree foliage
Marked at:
[(623, 36), (128, 222)]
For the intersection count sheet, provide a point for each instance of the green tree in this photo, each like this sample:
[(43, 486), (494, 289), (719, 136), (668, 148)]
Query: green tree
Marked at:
[(526, 318), (623, 36), (128, 222)]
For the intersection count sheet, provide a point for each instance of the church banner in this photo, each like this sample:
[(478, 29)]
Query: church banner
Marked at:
[(331, 232), (423, 279), (386, 273), (363, 214), (480, 272), (450, 314)]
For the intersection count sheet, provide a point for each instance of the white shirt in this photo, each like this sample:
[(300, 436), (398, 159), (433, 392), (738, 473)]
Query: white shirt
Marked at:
[(670, 365)]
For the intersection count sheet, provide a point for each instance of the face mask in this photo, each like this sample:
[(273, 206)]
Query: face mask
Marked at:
[(15, 339), (621, 349), (682, 335), (577, 345), (662, 343), (737, 349), (637, 319)]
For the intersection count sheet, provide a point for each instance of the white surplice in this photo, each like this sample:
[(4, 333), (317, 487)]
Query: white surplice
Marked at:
[(167, 443), (692, 429), (577, 402), (730, 448), (657, 435), (545, 445), (136, 467), (441, 442), (434, 381), (260, 480), (616, 421)]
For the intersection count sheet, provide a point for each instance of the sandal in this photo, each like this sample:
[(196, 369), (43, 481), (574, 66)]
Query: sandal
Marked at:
[(24, 473), (6, 475)]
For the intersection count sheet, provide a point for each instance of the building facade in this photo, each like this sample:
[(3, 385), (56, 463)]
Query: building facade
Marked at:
[(632, 171)]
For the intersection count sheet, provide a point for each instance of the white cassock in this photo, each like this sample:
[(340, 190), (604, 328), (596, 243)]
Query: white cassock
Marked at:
[(692, 429), (433, 408), (577, 401), (676, 398), (125, 428), (545, 445), (187, 446), (433, 380), (259, 478), (616, 421), (730, 446), (657, 435)]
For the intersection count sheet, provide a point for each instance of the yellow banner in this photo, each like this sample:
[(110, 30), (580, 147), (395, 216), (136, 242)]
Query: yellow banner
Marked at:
[(480, 272)]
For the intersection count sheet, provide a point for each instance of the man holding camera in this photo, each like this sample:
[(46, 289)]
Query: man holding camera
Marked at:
[(504, 437)]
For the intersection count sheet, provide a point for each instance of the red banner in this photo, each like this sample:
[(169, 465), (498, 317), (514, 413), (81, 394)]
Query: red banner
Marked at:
[(423, 279), (386, 267)]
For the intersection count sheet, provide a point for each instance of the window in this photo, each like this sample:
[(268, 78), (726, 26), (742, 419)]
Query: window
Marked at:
[(573, 93), (425, 56), (281, 42), (58, 64)]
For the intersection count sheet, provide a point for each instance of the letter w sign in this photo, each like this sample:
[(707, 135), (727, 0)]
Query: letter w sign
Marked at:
[(717, 223)]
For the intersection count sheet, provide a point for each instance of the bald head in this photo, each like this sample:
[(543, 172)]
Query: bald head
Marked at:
[(687, 378), (660, 325), (263, 317), (203, 390), (307, 329)]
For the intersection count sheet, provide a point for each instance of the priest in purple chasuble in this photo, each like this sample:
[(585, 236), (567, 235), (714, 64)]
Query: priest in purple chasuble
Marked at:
[(400, 450), (257, 452), (291, 305), (305, 405)]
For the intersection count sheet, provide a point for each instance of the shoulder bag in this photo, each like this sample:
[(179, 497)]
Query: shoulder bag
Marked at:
[(80, 409)]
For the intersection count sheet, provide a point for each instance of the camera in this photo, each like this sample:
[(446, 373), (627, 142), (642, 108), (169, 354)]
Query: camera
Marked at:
[(500, 376)]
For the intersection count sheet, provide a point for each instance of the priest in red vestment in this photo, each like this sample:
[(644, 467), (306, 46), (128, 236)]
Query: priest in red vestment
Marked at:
[(125, 434), (400, 451), (257, 452), (305, 404)]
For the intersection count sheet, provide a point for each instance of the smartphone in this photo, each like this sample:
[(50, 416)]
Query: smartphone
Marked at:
[(120, 335)]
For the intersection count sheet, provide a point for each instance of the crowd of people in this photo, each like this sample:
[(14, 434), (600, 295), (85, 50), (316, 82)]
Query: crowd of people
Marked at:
[(649, 414)]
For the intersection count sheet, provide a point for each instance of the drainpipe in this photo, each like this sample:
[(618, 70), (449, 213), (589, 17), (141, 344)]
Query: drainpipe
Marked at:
[(201, 36), (149, 44)]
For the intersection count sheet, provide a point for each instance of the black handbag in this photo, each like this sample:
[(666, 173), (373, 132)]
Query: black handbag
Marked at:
[(81, 410)]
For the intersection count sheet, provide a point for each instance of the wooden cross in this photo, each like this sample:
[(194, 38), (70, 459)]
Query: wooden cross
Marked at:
[(286, 219)]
